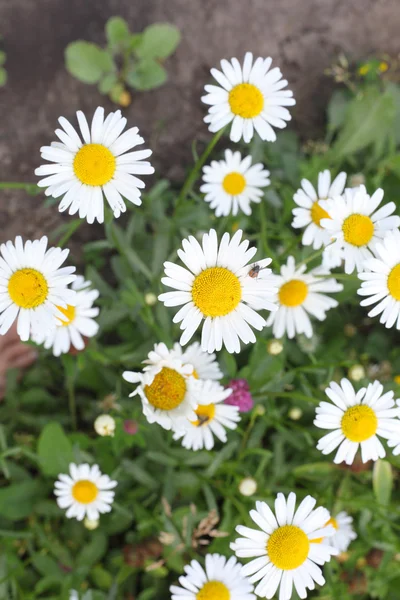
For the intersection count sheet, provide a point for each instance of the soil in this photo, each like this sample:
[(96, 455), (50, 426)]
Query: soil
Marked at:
[(303, 37)]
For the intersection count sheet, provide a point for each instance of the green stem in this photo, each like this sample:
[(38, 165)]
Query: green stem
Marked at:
[(316, 254), (19, 185), (191, 178)]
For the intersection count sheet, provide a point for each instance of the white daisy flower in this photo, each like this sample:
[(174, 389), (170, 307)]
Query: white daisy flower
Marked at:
[(251, 97), (344, 532), (381, 281), (205, 366), (309, 212), (73, 595), (212, 418), (167, 388), (356, 225), (220, 580), (299, 294), (220, 287), (357, 419), (33, 287), (285, 554), (85, 492), (100, 164), (105, 425), (76, 322), (232, 184)]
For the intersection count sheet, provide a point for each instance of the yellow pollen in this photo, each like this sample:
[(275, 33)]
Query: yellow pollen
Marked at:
[(213, 590), (69, 314), (359, 423), (393, 282), (85, 491), (167, 390), (318, 213), (94, 164), (246, 100), (293, 293), (234, 183), (216, 292), (358, 230), (288, 547), (332, 521), (206, 413), (28, 288), (195, 374)]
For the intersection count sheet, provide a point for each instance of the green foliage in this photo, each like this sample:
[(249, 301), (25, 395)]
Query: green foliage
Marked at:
[(133, 60), (164, 491), (3, 72)]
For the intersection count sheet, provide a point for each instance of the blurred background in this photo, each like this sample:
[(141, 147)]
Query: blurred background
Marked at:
[(303, 36)]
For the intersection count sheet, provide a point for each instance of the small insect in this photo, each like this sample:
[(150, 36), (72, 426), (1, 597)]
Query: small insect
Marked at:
[(202, 420), (254, 271)]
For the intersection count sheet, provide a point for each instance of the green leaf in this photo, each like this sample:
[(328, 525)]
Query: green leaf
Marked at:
[(107, 83), (17, 500), (316, 471), (3, 76), (337, 108), (382, 481), (146, 75), (369, 120), (54, 450), (87, 62), (117, 31), (159, 41), (3, 57), (93, 552)]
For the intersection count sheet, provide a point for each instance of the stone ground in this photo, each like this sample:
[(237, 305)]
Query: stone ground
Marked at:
[(303, 36)]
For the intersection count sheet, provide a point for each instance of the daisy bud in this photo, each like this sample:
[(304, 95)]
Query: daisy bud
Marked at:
[(274, 347), (295, 413), (259, 410), (356, 373), (150, 299), (104, 425), (91, 524), (356, 180), (125, 99), (248, 486)]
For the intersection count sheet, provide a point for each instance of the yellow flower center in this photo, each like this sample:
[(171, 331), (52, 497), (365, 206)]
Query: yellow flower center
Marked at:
[(288, 547), (216, 292), (332, 521), (358, 230), (318, 213), (213, 590), (94, 164), (393, 282), (359, 423), (246, 100), (234, 183), (69, 314), (167, 390), (205, 413), (85, 491), (195, 374), (293, 293), (28, 288)]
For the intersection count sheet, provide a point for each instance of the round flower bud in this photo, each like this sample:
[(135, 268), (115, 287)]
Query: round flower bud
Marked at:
[(104, 425), (91, 523), (259, 410), (125, 99), (274, 347), (248, 486), (295, 413), (356, 373), (150, 299)]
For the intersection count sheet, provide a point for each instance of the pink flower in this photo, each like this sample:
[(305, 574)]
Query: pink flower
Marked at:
[(240, 396), (130, 427)]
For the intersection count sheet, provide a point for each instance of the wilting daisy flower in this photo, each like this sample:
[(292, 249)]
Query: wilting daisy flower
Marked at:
[(220, 580), (357, 419), (299, 294), (309, 212), (76, 321), (33, 287), (220, 287), (356, 225), (251, 97), (100, 164), (105, 425), (168, 390), (212, 417), (381, 281), (344, 532), (205, 366), (232, 184), (84, 492), (285, 554)]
